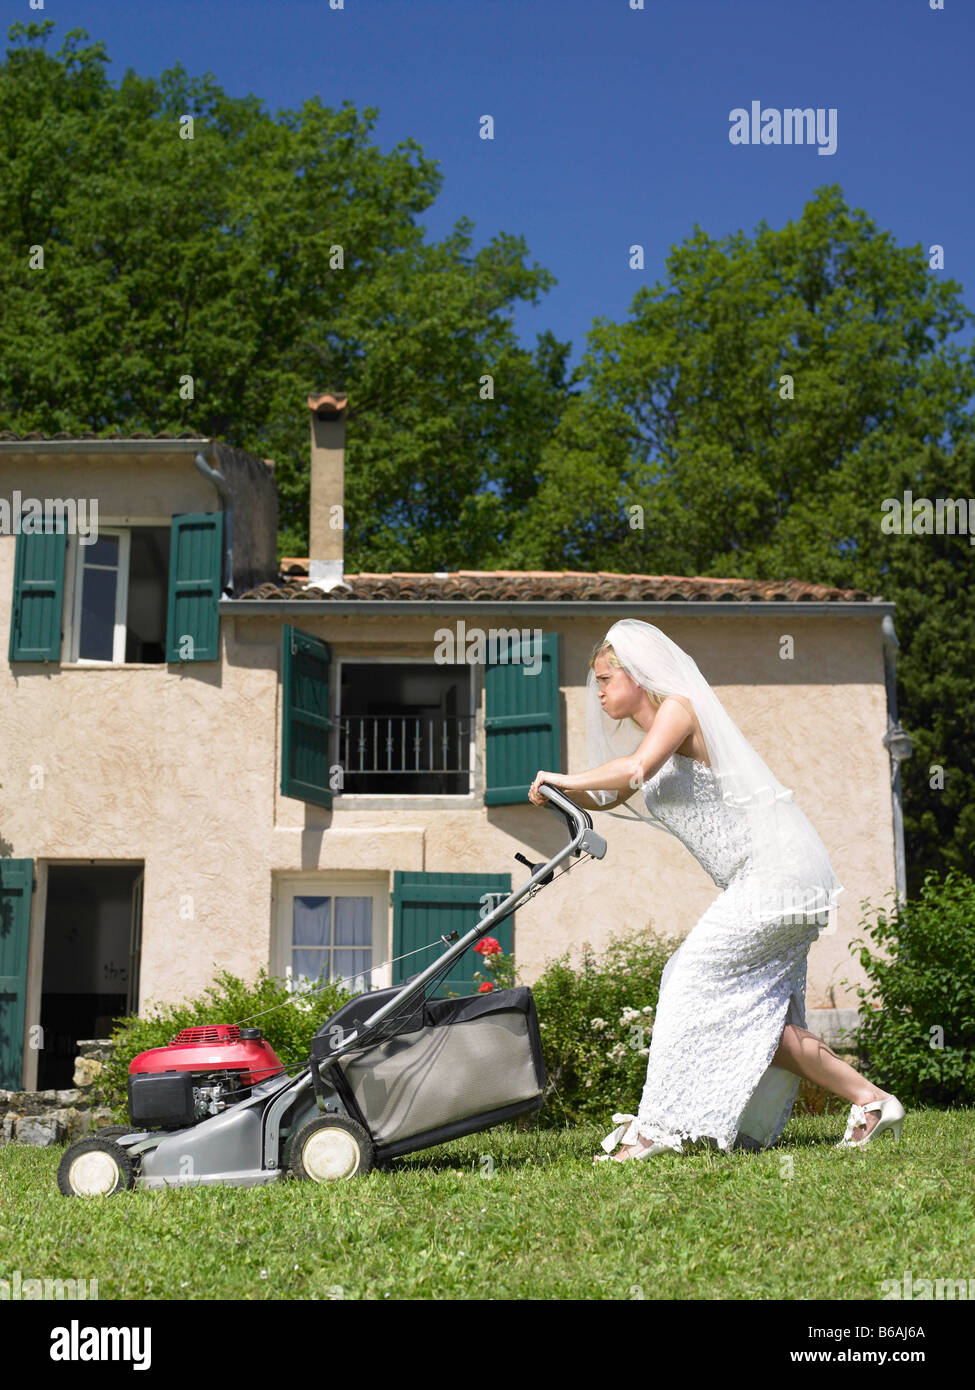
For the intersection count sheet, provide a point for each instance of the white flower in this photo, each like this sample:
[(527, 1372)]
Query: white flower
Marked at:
[(629, 1016), (644, 1052), (598, 1024), (647, 1010)]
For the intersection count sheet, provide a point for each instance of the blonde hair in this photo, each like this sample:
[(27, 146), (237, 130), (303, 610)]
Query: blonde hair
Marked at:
[(656, 697)]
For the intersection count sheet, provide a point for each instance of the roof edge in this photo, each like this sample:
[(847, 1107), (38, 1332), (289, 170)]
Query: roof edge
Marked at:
[(120, 447), (812, 608)]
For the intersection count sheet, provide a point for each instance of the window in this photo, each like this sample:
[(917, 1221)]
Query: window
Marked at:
[(142, 591), (331, 939), (331, 929), (121, 585), (404, 728)]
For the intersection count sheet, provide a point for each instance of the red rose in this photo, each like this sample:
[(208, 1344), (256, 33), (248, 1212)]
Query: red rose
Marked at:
[(485, 987), (488, 947)]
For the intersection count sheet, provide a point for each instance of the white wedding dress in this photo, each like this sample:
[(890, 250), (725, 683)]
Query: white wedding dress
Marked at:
[(729, 989)]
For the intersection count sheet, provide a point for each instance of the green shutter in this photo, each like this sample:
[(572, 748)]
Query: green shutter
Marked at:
[(521, 720), (195, 566), (16, 883), (306, 743), (35, 629), (427, 906)]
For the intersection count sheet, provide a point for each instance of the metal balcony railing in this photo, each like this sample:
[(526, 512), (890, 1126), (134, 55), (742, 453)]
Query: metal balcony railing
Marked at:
[(384, 744)]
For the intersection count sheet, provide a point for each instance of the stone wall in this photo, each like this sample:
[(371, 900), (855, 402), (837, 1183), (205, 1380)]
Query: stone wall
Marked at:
[(58, 1117)]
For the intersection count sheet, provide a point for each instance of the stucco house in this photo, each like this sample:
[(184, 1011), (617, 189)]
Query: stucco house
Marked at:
[(216, 761)]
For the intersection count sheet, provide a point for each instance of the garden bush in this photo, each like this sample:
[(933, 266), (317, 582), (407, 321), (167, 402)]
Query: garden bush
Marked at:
[(596, 1020), (289, 1028), (918, 1012)]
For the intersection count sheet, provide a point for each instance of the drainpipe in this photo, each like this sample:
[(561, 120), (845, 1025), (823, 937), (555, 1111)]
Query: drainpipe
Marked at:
[(900, 747), (227, 497)]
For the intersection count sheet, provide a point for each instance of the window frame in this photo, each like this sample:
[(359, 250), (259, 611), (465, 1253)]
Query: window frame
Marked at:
[(410, 798), (322, 883), (74, 564)]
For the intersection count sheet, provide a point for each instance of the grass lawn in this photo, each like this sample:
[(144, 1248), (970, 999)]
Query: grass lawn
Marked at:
[(515, 1215)]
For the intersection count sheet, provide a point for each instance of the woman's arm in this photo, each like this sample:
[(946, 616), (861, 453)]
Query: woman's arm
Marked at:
[(584, 800), (671, 726)]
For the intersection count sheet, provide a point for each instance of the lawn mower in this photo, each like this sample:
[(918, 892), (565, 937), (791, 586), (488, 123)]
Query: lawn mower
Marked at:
[(391, 1072)]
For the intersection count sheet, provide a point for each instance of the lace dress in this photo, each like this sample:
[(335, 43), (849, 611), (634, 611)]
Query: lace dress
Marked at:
[(727, 991)]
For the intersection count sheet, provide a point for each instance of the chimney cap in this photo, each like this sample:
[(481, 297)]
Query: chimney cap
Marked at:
[(328, 403)]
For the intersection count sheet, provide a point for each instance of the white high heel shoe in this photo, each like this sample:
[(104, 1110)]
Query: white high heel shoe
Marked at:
[(623, 1123), (891, 1117), (640, 1154)]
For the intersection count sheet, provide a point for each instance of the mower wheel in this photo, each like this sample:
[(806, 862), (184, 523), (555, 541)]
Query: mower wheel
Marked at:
[(95, 1168), (112, 1131), (329, 1148)]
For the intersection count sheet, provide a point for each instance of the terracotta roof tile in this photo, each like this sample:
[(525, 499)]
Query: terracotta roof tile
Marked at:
[(559, 585)]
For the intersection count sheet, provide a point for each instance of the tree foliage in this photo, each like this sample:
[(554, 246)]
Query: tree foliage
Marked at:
[(264, 257)]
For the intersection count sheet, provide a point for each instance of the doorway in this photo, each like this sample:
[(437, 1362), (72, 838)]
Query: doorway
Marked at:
[(92, 937)]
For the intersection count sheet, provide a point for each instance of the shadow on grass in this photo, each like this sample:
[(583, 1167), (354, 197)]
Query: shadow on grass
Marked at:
[(548, 1147)]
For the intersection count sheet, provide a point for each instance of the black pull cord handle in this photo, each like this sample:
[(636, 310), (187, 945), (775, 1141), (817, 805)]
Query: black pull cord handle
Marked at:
[(535, 867)]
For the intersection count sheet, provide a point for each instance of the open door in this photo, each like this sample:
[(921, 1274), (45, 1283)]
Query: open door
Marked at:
[(92, 931)]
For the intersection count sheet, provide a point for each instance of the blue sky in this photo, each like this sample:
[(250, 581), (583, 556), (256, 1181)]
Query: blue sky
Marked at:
[(611, 124)]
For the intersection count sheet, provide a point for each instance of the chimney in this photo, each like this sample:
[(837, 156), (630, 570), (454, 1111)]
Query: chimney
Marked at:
[(326, 513)]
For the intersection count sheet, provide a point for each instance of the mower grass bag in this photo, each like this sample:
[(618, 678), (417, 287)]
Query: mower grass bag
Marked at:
[(457, 1066)]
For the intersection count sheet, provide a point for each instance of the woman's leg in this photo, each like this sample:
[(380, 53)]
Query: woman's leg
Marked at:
[(802, 1053)]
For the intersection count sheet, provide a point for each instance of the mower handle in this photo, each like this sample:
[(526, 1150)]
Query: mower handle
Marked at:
[(579, 822)]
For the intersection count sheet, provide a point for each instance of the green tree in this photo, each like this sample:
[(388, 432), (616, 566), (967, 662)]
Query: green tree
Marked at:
[(930, 579), (686, 412), (264, 257)]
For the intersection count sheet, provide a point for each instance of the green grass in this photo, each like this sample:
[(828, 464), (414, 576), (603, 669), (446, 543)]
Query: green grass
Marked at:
[(800, 1221)]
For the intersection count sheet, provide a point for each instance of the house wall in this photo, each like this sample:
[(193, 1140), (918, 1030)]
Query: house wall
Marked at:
[(180, 768), (817, 720), (126, 485)]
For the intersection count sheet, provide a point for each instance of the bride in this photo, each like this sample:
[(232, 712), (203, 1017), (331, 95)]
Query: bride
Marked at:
[(729, 1041)]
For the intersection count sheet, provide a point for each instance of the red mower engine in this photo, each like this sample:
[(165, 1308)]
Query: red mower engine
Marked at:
[(200, 1073)]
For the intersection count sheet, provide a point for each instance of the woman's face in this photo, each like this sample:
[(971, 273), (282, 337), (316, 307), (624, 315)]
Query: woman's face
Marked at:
[(619, 693)]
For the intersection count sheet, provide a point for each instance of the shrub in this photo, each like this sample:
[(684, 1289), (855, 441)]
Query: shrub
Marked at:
[(596, 1022), (289, 1028), (918, 1027)]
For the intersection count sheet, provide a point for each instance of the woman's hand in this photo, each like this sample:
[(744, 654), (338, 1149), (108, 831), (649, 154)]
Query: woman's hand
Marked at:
[(534, 795)]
